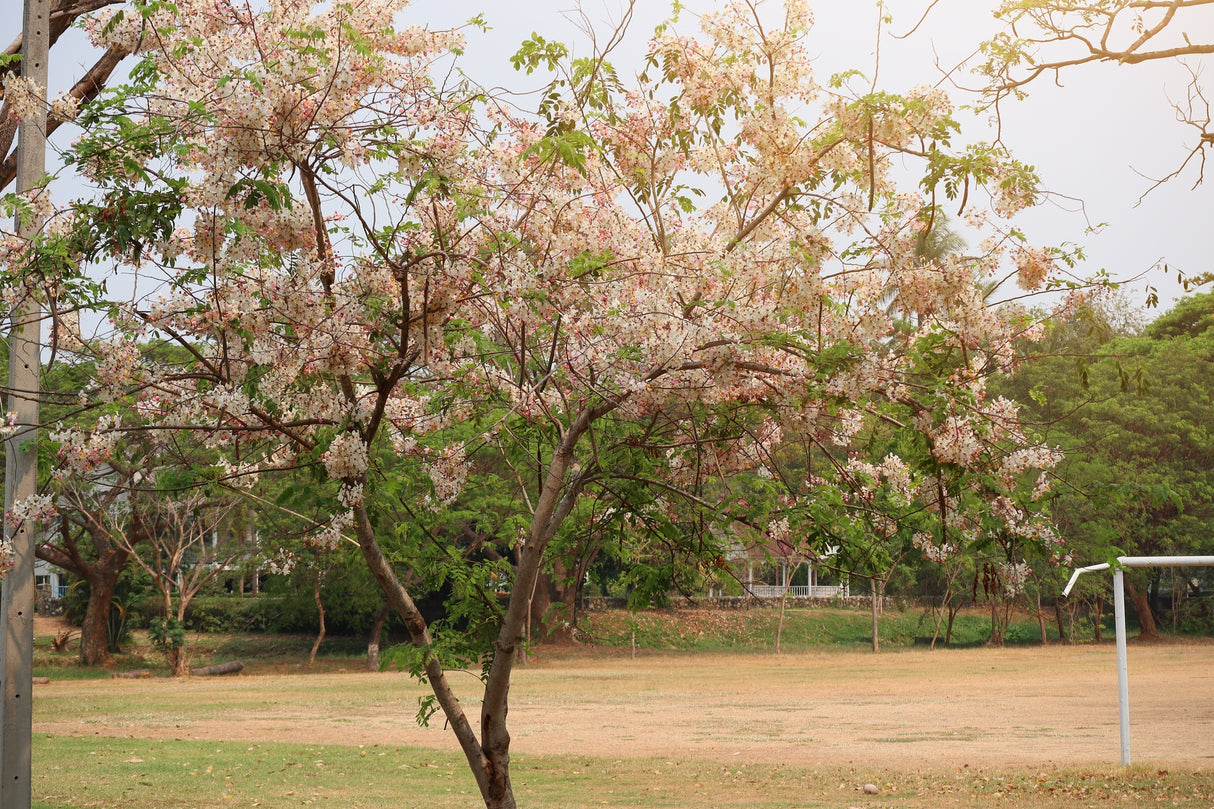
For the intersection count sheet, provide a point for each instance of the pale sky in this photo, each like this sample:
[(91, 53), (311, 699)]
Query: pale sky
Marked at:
[(1087, 138)]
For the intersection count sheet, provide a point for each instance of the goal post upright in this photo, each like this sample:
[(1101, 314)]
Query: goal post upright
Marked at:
[(1123, 676)]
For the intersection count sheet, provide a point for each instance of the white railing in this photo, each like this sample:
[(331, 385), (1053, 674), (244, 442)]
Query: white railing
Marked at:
[(816, 591)]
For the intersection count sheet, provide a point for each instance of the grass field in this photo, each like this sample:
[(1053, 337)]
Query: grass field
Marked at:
[(1017, 728)]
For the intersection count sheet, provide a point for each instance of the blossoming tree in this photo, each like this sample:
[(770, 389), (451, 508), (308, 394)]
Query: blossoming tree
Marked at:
[(372, 266)]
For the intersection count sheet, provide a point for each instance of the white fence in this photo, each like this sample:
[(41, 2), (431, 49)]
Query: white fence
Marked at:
[(816, 591)]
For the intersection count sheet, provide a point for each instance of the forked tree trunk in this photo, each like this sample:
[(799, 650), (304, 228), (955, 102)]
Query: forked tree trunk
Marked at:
[(489, 756), (952, 617), (996, 627)]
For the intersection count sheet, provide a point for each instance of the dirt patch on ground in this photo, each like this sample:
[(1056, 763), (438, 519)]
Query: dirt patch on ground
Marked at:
[(1041, 706)]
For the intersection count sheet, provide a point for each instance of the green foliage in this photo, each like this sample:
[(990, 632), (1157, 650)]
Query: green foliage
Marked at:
[(167, 634), (1189, 317), (710, 630), (1138, 477), (234, 614), (536, 52)]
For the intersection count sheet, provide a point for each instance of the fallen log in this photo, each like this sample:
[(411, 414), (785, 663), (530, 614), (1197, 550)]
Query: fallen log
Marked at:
[(231, 667), (41, 680), (132, 675)]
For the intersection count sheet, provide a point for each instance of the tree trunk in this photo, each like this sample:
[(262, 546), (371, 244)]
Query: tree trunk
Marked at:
[(541, 600), (320, 610), (566, 591), (876, 609), (1058, 620), (102, 577), (179, 661), (377, 629), (996, 627), (419, 634), (1098, 619), (780, 625), (1041, 620), (1142, 605), (94, 639)]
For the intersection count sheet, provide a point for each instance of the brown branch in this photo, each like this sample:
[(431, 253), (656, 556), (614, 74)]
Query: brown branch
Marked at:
[(85, 90)]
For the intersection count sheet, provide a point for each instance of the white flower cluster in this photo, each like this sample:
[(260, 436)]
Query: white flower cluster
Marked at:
[(350, 494), (36, 508), (931, 551), (346, 457), (8, 424), (1013, 575), (25, 95), (779, 531), (82, 452), (448, 471), (850, 422), (328, 535), (892, 470), (242, 476), (117, 368), (956, 442), (282, 562), (67, 331)]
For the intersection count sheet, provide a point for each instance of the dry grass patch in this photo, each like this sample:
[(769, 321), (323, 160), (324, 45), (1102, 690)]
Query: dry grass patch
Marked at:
[(1030, 727)]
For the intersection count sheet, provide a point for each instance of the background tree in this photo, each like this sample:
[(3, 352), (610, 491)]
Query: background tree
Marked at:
[(182, 552), (86, 545), (1130, 417)]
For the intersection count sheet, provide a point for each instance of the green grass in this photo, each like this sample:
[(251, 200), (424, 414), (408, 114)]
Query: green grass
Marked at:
[(139, 773), (804, 628), (261, 653)]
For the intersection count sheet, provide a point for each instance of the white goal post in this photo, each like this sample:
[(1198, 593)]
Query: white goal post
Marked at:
[(1123, 685)]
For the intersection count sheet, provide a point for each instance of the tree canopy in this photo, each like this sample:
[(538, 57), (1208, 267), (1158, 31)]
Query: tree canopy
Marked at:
[(363, 265)]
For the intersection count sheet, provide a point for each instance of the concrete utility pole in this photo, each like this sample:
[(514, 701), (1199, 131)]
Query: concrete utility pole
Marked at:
[(21, 456)]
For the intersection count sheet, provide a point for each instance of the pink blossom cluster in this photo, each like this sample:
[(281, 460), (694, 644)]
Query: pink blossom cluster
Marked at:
[(84, 451), (328, 535), (448, 471), (33, 509), (347, 456)]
